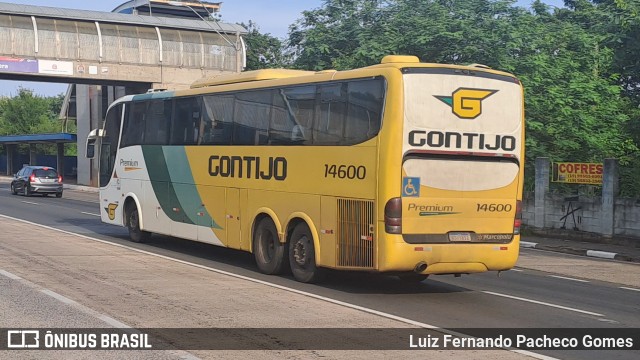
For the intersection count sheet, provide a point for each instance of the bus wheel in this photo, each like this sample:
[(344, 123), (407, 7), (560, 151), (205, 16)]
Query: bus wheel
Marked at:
[(302, 255), (270, 254), (133, 224), (413, 278)]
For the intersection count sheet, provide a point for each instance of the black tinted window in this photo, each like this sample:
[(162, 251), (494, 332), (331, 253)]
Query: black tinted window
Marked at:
[(251, 117), (366, 99), (329, 125), (218, 119), (337, 113), (158, 119), (186, 121), (292, 116), (134, 124)]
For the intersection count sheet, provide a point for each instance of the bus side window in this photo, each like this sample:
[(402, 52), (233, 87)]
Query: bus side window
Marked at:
[(292, 117), (251, 117), (365, 110), (328, 128), (134, 125), (186, 121), (217, 119), (158, 117)]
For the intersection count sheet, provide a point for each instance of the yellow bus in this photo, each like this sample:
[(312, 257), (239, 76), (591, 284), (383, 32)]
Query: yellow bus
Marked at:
[(402, 167)]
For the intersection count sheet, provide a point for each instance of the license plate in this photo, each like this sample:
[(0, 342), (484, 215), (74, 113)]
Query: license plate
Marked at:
[(460, 237)]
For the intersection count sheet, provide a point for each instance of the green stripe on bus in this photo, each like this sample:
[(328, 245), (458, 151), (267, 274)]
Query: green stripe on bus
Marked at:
[(175, 187), (161, 181)]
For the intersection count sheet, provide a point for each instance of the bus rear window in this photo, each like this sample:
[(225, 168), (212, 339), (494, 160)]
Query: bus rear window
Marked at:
[(460, 174)]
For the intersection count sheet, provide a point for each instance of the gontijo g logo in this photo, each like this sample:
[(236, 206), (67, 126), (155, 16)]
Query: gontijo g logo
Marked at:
[(466, 103)]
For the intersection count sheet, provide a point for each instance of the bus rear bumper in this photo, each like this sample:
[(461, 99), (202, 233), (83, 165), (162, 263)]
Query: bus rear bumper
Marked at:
[(452, 258)]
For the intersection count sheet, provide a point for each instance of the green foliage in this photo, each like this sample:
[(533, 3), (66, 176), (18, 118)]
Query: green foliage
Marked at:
[(263, 50), (26, 113)]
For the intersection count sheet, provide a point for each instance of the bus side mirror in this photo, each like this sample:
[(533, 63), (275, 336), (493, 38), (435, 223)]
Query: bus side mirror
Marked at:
[(93, 137), (91, 148)]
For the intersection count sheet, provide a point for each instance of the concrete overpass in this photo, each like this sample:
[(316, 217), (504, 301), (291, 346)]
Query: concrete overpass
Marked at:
[(123, 53)]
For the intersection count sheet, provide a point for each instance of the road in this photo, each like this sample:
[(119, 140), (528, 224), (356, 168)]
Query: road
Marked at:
[(546, 290)]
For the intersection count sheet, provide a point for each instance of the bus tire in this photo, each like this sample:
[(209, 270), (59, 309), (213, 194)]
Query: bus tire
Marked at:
[(136, 234), (413, 278), (302, 256), (270, 254)]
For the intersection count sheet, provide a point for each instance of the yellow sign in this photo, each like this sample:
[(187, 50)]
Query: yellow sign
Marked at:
[(577, 173)]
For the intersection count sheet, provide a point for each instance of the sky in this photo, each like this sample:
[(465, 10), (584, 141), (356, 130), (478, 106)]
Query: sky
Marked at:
[(273, 17)]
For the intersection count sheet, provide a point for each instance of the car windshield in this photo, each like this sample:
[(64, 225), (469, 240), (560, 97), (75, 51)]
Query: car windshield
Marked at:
[(47, 174)]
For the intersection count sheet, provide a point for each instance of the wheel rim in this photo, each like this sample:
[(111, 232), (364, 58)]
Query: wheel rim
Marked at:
[(268, 245), (133, 221), (300, 251)]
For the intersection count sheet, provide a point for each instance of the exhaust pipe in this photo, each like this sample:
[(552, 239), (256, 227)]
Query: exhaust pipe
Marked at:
[(420, 267)]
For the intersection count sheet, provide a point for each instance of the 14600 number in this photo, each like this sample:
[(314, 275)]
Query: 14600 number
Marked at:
[(494, 207), (345, 171)]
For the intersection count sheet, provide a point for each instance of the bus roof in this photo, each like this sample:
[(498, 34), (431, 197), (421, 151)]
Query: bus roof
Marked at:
[(247, 76), (389, 61)]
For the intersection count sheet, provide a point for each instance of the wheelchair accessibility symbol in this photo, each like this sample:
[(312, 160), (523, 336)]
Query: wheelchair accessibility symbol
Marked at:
[(411, 187)]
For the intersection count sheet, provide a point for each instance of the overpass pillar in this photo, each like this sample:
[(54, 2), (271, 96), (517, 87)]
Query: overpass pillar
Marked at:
[(33, 151), (89, 115), (10, 153), (60, 159)]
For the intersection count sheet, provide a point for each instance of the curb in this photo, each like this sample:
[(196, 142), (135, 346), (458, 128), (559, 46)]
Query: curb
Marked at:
[(6, 180), (80, 188), (577, 251)]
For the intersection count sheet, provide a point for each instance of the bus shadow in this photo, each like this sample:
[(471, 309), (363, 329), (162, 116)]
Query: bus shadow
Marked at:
[(242, 263), (371, 283), (345, 281)]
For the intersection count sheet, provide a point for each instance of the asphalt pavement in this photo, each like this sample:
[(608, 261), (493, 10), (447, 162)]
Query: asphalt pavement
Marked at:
[(598, 247)]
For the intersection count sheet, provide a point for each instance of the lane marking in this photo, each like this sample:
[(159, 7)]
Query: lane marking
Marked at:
[(609, 321), (527, 244), (567, 278), (29, 202), (518, 270), (86, 213), (10, 275), (542, 303), (281, 287), (628, 288), (181, 354)]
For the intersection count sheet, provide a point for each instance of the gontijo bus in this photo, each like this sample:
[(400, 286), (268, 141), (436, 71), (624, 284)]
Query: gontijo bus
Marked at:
[(402, 167)]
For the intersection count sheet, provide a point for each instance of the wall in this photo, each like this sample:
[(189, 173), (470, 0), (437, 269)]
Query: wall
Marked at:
[(605, 216)]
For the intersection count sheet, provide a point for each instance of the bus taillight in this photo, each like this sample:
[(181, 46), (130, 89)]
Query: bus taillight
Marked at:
[(517, 222), (393, 216)]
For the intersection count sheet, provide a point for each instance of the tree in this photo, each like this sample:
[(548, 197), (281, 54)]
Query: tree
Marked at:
[(26, 113), (263, 50), (340, 35)]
